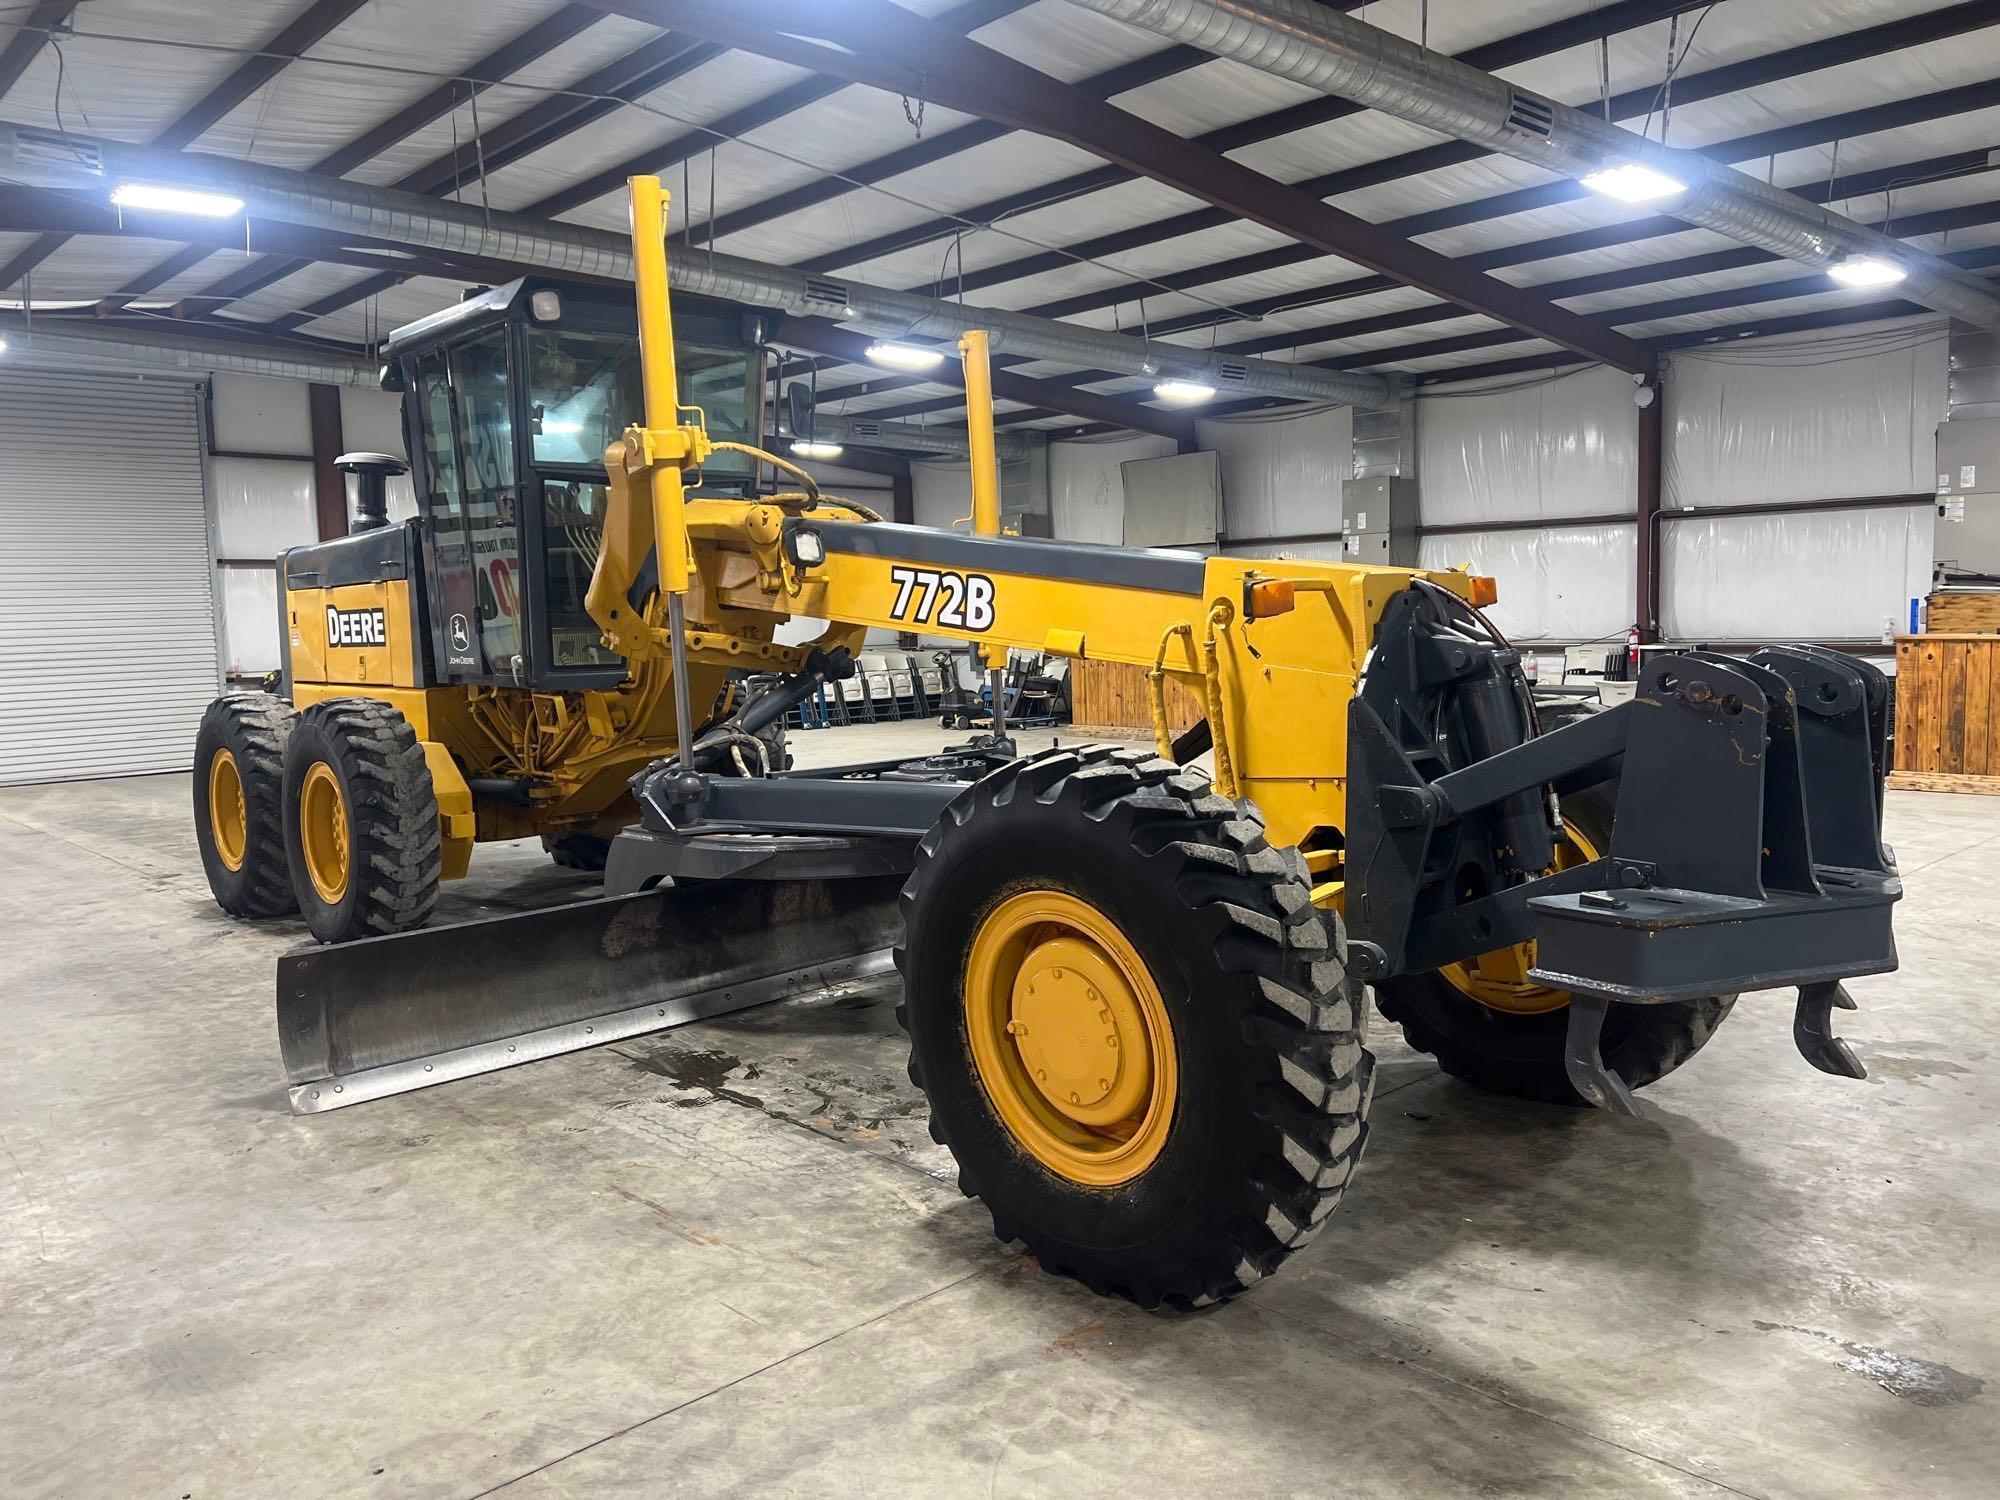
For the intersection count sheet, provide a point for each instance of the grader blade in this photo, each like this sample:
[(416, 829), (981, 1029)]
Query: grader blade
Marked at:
[(364, 1020)]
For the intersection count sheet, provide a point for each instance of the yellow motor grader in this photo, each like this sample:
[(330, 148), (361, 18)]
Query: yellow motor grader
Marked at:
[(1132, 988)]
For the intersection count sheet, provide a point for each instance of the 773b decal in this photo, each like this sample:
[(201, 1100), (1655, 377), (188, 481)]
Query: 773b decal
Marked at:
[(957, 601)]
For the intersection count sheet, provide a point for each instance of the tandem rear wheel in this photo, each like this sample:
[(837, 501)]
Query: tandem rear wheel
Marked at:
[(361, 831), (1130, 1023), (1489, 1026), (239, 775)]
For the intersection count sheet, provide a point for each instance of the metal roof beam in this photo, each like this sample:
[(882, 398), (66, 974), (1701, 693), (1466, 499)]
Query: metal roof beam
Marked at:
[(1525, 46), (760, 112), (646, 67), (1716, 81), (509, 57), (26, 43), (1047, 397), (66, 213), (961, 74), (1941, 104), (242, 81)]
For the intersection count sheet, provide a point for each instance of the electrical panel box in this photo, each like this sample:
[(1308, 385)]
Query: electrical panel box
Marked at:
[(1372, 547), (1968, 458), (1381, 515)]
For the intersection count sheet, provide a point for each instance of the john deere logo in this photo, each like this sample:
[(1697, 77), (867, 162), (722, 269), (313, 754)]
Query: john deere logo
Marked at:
[(356, 627), (461, 634)]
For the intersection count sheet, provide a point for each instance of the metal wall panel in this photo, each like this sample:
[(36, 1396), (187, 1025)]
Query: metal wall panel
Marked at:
[(107, 610), (1282, 477), (1525, 450), (1557, 583), (256, 415)]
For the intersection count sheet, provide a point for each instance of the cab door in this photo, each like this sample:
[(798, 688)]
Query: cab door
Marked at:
[(471, 508)]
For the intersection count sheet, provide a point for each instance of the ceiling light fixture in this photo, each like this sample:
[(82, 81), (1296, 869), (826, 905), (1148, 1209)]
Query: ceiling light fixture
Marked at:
[(172, 200), (1865, 271), (814, 448), (905, 356), (1183, 392), (1629, 182)]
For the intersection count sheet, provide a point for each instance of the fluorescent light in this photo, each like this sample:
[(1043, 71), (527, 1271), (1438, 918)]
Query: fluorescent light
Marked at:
[(1629, 182), (3, 346), (811, 448), (1865, 270), (171, 200), (905, 356), (1183, 392)]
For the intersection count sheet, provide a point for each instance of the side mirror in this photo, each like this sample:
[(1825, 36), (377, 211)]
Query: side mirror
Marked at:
[(391, 378), (799, 408)]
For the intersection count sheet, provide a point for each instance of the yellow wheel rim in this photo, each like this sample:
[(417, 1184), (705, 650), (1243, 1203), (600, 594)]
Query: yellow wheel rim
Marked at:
[(228, 810), (1071, 1037), (1500, 979), (324, 833)]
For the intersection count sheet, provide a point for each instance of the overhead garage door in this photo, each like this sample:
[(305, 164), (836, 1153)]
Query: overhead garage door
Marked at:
[(107, 620)]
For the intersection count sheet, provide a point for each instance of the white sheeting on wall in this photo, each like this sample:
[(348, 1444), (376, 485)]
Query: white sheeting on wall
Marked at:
[(940, 493), (1086, 489), (1844, 413), (255, 415), (262, 506), (1810, 417), (1841, 576), (1564, 447), (250, 610), (1174, 501), (1557, 583), (372, 422), (1282, 477)]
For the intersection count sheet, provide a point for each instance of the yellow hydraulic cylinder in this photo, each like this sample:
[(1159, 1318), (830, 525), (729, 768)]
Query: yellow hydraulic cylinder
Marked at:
[(661, 381), (972, 349)]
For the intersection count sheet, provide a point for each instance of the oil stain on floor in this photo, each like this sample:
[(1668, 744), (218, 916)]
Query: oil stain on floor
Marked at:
[(1920, 1381)]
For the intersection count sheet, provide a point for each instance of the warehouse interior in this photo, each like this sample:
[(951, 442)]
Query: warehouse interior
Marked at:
[(1646, 335)]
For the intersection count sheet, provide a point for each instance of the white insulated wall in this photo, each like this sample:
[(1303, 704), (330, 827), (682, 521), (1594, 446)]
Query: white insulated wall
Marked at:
[(1281, 477), (1847, 413), (1839, 415), (1517, 451), (261, 484)]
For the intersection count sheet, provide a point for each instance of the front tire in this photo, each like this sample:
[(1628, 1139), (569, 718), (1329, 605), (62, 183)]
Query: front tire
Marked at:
[(1074, 910), (361, 821), (239, 823), (1519, 1052)]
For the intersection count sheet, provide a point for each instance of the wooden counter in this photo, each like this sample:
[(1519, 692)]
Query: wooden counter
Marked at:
[(1946, 715), (1110, 700)]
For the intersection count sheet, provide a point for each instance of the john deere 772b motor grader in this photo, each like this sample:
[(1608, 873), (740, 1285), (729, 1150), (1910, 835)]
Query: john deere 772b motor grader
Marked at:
[(1131, 988)]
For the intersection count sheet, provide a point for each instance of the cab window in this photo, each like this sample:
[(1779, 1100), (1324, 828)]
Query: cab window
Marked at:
[(585, 388), (492, 493), (440, 453)]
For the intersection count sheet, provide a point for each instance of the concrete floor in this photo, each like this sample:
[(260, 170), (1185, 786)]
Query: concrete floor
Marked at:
[(728, 1260)]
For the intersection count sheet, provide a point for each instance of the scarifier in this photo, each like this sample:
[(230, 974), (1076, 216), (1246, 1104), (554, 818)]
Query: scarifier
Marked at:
[(1132, 989)]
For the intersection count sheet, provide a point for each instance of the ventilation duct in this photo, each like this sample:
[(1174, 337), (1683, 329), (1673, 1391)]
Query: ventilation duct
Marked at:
[(908, 437), (410, 219), (75, 339), (1320, 47)]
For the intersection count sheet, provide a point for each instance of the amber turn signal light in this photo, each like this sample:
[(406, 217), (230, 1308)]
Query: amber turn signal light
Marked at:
[(1484, 591), (1269, 596)]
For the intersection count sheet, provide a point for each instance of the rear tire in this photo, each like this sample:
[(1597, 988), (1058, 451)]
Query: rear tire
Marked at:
[(1522, 1055), (361, 821), (1264, 1123), (239, 774)]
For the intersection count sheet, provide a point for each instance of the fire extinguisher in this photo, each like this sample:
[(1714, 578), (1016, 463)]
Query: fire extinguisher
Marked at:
[(1632, 654)]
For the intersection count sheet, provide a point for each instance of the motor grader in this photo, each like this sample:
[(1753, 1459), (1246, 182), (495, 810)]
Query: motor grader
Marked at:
[(1133, 989)]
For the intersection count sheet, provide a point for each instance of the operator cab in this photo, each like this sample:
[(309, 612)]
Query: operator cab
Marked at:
[(510, 398)]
